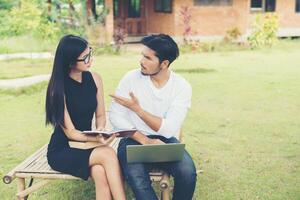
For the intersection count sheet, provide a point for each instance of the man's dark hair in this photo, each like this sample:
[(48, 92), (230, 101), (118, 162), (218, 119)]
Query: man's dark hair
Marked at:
[(164, 46)]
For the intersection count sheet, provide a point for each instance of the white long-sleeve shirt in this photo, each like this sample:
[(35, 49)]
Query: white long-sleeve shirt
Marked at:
[(171, 103)]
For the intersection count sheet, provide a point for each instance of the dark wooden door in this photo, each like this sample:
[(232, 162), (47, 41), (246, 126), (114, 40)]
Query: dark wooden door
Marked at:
[(130, 15)]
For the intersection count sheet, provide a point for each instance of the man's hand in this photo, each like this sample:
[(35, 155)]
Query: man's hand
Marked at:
[(143, 139), (152, 141), (132, 103)]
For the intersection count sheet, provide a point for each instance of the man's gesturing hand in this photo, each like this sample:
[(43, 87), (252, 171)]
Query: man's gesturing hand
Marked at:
[(132, 103)]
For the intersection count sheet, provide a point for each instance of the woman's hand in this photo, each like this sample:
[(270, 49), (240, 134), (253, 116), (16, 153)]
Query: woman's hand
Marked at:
[(106, 140), (100, 129)]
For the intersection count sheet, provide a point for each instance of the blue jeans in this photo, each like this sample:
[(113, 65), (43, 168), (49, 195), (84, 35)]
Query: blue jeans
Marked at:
[(137, 174)]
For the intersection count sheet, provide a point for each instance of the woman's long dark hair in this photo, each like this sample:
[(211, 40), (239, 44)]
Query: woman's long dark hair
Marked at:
[(67, 52)]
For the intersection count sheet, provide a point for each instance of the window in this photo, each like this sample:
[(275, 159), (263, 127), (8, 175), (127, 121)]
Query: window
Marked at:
[(256, 4), (116, 8), (163, 6), (298, 6), (270, 5), (263, 5), (212, 2), (134, 8)]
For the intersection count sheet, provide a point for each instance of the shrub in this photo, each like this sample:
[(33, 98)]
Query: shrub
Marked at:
[(232, 34), (264, 30), (186, 14), (119, 38), (25, 18), (47, 30), (4, 28)]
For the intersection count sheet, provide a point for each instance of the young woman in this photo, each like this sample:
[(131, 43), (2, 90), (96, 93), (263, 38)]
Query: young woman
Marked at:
[(73, 96)]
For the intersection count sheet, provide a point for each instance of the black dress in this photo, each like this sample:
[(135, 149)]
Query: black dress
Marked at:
[(81, 102)]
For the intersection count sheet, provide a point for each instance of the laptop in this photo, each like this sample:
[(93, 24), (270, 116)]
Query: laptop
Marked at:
[(154, 153)]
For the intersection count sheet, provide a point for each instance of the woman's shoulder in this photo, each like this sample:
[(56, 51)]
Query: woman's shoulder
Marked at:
[(97, 78)]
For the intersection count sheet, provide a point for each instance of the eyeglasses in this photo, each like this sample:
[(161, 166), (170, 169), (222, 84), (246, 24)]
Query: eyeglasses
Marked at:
[(86, 58)]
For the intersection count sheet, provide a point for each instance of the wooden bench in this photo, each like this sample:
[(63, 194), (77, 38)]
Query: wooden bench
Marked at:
[(36, 167)]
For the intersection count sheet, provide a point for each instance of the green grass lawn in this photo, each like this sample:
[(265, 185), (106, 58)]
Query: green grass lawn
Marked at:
[(242, 130), (19, 68), (25, 43)]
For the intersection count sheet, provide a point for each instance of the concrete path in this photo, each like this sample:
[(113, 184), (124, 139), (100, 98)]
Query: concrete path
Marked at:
[(23, 82), (25, 55)]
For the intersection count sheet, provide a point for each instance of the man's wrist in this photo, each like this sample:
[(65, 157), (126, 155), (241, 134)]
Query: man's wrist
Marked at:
[(140, 112), (139, 137)]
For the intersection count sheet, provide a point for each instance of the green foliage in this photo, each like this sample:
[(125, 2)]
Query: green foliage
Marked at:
[(25, 18), (232, 34), (47, 30), (8, 4), (264, 30), (4, 18), (200, 47), (34, 18)]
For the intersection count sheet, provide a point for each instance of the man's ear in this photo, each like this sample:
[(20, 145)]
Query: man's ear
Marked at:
[(164, 64)]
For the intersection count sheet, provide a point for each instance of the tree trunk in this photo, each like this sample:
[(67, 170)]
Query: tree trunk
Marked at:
[(88, 11), (49, 7), (93, 8)]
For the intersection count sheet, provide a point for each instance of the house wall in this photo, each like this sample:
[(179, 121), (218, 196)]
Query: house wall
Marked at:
[(213, 21), (159, 22), (289, 20)]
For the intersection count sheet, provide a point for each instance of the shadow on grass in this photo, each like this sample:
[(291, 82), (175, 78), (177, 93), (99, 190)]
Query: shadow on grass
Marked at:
[(194, 70)]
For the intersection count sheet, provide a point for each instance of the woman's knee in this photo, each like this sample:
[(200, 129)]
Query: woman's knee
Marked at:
[(104, 155)]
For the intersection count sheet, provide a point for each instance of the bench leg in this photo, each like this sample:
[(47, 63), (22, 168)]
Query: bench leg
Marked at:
[(165, 187), (165, 194), (24, 194), (21, 186)]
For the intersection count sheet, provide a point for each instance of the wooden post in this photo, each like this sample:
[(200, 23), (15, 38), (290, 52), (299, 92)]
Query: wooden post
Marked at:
[(21, 186), (32, 189), (109, 21)]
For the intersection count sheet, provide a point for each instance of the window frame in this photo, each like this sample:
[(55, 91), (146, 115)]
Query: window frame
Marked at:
[(263, 7), (297, 5), (163, 11), (215, 5), (129, 13)]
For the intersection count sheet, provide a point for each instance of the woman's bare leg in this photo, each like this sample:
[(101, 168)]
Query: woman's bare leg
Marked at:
[(107, 157), (101, 184)]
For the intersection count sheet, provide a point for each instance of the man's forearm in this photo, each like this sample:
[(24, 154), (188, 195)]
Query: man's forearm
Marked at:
[(152, 121), (139, 137)]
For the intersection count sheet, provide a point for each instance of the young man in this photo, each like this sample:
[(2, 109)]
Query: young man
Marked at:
[(154, 100)]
